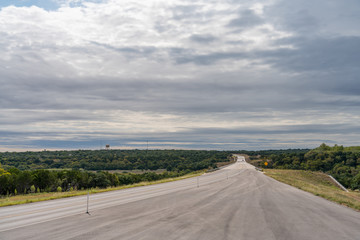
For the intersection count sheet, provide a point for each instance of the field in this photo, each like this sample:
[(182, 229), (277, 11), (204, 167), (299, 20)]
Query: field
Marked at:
[(318, 184)]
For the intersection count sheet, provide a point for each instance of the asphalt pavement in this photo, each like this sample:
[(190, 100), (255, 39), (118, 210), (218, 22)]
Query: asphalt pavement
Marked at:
[(236, 202)]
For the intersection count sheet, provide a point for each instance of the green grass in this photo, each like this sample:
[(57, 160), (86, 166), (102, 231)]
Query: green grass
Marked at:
[(38, 197), (318, 184), (158, 171)]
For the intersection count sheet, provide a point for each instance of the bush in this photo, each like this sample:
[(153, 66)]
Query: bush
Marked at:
[(355, 182)]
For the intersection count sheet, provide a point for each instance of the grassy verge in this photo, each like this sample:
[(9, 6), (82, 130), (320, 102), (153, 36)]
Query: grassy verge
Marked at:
[(318, 184), (38, 197)]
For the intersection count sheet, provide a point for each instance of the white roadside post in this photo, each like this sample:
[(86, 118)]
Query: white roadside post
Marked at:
[(87, 205)]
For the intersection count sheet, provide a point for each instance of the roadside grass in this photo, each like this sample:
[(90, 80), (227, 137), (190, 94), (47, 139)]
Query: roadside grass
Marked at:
[(255, 161), (318, 184), (38, 197), (158, 171), (222, 164)]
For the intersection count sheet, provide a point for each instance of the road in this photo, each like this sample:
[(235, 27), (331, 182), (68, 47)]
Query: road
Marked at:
[(236, 202)]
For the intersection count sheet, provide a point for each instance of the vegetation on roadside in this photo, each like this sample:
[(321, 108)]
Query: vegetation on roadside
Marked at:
[(318, 184), (343, 163), (149, 166), (44, 196), (35, 181)]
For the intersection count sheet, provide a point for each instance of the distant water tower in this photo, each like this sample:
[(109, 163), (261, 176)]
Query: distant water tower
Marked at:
[(107, 146)]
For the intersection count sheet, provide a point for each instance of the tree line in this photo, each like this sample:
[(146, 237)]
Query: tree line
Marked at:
[(14, 181), (171, 160)]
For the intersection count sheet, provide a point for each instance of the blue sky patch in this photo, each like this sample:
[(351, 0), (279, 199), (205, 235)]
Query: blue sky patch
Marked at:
[(48, 5)]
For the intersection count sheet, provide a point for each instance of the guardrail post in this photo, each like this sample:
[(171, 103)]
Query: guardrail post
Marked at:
[(339, 184)]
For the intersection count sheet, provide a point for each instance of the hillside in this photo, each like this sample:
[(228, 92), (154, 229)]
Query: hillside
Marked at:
[(343, 163), (316, 183)]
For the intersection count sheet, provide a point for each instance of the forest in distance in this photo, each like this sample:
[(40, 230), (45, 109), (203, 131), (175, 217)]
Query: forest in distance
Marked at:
[(171, 160), (50, 171)]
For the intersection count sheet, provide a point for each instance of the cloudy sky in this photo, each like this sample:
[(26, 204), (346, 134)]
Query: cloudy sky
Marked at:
[(201, 74)]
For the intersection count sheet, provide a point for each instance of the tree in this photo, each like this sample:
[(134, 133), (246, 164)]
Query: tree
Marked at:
[(23, 181), (355, 182), (44, 179), (3, 172)]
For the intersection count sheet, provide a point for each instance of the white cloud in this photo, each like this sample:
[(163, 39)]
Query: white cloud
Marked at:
[(107, 69)]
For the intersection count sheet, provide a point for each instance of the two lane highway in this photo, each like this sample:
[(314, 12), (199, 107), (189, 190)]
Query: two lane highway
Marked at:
[(236, 202)]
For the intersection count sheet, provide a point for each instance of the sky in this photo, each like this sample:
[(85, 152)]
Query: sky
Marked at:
[(199, 74)]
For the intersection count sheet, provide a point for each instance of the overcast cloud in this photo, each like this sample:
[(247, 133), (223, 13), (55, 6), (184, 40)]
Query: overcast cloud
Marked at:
[(209, 74)]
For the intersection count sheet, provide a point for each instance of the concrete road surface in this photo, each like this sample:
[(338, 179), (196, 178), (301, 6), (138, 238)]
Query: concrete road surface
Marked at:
[(236, 202)]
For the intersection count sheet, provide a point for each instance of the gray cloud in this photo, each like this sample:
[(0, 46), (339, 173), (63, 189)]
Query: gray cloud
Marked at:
[(203, 74), (246, 19), (207, 138), (278, 130), (315, 18), (319, 54), (209, 59), (187, 12), (203, 38), (134, 51)]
